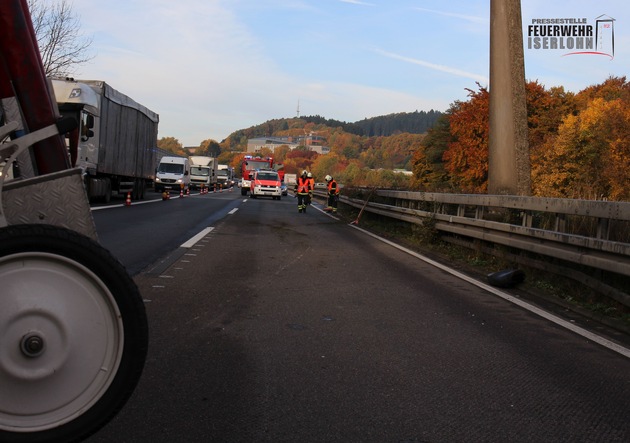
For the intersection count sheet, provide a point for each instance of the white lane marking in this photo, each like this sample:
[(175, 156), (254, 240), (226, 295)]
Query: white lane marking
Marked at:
[(191, 242), (133, 203), (546, 315), (233, 211)]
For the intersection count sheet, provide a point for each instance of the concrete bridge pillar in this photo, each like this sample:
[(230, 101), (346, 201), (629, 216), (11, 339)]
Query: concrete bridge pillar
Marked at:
[(508, 157)]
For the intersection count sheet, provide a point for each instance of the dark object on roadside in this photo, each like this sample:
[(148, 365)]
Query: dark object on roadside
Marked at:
[(506, 278)]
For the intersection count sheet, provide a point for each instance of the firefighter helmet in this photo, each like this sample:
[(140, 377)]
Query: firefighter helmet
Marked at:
[(304, 172), (328, 178), (309, 175)]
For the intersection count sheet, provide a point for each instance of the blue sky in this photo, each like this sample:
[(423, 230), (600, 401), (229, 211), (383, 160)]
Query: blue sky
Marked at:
[(211, 67)]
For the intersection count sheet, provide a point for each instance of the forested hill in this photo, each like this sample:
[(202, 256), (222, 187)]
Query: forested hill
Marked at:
[(417, 122)]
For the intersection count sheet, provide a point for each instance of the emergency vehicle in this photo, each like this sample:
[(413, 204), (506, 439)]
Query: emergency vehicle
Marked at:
[(266, 182), (250, 164)]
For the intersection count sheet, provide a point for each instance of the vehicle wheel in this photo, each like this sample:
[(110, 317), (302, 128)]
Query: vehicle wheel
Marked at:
[(73, 335), (143, 188), (243, 191), (108, 191)]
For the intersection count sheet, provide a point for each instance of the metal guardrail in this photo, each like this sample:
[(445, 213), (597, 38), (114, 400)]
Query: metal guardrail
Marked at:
[(594, 234)]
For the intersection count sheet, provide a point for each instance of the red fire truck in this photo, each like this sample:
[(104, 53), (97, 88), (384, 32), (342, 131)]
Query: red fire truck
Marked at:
[(251, 164)]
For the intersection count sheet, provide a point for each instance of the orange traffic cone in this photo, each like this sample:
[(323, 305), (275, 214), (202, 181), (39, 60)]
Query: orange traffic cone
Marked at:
[(128, 200), (188, 191)]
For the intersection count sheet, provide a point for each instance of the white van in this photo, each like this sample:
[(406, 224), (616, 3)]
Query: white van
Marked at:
[(171, 173)]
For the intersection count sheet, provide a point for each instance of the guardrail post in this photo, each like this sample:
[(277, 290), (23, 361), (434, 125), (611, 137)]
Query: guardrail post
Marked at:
[(603, 228), (479, 212), (561, 223)]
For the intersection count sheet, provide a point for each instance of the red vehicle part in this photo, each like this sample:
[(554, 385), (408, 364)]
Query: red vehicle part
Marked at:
[(22, 75)]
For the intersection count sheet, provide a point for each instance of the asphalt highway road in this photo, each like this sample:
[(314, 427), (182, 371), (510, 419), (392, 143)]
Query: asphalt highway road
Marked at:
[(286, 327)]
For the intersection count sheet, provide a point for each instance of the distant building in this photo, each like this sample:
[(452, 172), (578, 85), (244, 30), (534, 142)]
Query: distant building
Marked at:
[(257, 144), (313, 142)]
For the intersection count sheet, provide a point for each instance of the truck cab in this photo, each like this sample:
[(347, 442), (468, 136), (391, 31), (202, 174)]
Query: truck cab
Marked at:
[(203, 172)]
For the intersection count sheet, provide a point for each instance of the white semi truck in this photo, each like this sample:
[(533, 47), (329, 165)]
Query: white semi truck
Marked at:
[(203, 171), (116, 139), (225, 174)]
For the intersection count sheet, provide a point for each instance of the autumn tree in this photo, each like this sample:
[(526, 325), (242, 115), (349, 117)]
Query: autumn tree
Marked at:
[(611, 89), (590, 157), (466, 158), (280, 153), (171, 144), (62, 46), (298, 160), (330, 164), (209, 147), (429, 173), (398, 149), (345, 144)]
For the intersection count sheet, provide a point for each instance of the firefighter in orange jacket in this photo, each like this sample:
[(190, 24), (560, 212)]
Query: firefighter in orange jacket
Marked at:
[(302, 189), (333, 194)]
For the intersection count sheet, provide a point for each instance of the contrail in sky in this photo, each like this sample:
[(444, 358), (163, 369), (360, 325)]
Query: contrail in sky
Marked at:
[(442, 68)]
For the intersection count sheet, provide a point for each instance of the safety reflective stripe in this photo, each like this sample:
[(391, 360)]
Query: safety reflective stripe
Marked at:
[(331, 187), (302, 185)]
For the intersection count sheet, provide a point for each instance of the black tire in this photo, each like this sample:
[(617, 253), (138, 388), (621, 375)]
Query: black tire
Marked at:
[(143, 188), (243, 191), (108, 191), (92, 322)]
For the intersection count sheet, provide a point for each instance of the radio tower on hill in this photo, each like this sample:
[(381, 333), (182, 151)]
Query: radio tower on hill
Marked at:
[(298, 109)]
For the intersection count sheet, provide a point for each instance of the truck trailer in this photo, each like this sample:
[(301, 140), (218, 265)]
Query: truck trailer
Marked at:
[(116, 139), (203, 171)]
